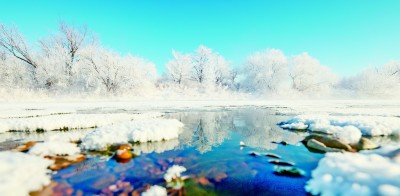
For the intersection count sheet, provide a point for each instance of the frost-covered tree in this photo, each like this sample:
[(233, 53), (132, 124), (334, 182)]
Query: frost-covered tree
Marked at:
[(383, 81), (61, 54), (203, 68), (309, 76), (179, 68), (13, 72), (266, 71), (13, 44), (108, 70)]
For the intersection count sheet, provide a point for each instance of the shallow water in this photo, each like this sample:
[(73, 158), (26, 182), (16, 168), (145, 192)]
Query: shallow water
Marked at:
[(209, 149)]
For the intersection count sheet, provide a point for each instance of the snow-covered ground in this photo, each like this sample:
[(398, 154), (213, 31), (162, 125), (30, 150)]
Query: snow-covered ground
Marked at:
[(148, 130), (64, 121), (368, 173), (282, 107), (22, 173)]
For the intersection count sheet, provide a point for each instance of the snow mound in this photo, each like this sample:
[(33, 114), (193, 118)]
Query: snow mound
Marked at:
[(53, 148), (155, 191), (349, 128), (355, 174), (132, 131), (22, 173)]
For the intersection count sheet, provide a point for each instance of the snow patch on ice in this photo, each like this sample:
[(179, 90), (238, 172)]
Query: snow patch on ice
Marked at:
[(53, 148), (133, 131), (22, 173), (355, 174)]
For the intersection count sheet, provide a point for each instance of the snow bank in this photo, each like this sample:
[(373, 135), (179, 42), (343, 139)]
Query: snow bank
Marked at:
[(155, 191), (349, 128), (355, 174), (69, 121), (21, 173), (53, 148), (133, 131)]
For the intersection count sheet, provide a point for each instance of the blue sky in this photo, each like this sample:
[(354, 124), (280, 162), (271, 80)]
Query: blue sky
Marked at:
[(343, 34)]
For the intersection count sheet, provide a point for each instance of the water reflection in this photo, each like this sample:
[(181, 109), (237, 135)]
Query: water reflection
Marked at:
[(158, 147), (257, 127)]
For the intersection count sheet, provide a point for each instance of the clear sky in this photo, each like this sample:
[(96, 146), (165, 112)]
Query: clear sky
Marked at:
[(346, 35)]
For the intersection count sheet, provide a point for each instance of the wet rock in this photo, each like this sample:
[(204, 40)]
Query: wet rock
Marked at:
[(125, 147), (330, 142), (316, 145), (61, 162), (279, 162), (281, 142), (289, 171), (123, 156), (26, 146), (254, 154), (366, 144), (273, 155)]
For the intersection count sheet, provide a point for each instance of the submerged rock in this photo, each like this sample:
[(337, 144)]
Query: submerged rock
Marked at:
[(289, 171), (366, 144), (279, 162), (61, 162)]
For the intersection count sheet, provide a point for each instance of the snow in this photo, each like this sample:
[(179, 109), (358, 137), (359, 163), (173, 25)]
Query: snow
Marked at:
[(174, 172), (53, 148), (145, 130), (22, 173), (347, 128), (355, 174), (70, 121), (55, 122), (155, 191)]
